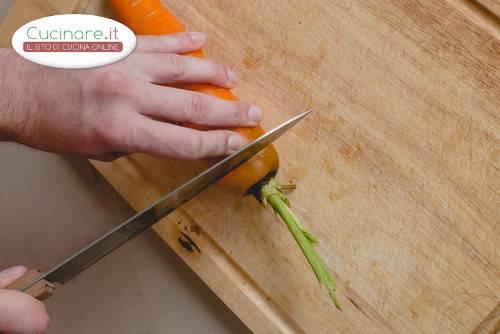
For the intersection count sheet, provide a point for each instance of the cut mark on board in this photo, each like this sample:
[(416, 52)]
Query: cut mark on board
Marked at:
[(188, 243)]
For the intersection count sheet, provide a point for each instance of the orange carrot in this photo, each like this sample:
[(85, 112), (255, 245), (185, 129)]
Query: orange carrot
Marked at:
[(148, 17)]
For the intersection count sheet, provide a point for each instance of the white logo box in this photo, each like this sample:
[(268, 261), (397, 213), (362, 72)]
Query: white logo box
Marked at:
[(74, 41)]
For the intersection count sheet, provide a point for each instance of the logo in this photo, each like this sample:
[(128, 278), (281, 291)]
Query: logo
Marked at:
[(74, 41)]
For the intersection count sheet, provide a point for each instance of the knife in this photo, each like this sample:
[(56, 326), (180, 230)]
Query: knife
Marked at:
[(41, 285)]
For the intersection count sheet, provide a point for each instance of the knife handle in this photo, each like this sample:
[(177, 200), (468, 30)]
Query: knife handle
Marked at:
[(40, 290)]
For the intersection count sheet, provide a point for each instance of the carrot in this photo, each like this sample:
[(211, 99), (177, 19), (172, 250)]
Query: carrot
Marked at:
[(150, 17)]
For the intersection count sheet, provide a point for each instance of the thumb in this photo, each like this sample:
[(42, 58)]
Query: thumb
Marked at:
[(10, 275), (19, 312)]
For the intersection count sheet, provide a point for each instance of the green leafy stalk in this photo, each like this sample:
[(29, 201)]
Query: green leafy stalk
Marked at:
[(272, 193)]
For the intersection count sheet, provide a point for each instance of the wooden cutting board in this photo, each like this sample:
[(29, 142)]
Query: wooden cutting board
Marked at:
[(398, 170)]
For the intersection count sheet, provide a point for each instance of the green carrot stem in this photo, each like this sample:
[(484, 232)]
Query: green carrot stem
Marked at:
[(272, 193)]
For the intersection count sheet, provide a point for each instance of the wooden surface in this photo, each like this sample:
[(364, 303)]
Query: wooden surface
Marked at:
[(23, 11), (397, 171)]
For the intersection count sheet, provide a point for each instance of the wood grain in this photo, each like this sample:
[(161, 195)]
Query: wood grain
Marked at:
[(484, 14), (490, 324), (27, 10), (398, 171), (401, 181), (491, 5)]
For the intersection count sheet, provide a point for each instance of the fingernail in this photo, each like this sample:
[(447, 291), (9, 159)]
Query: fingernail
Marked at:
[(255, 114), (198, 37), (231, 75), (234, 142), (17, 270)]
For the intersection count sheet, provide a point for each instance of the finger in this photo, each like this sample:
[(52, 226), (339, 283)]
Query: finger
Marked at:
[(173, 43), (185, 106), (167, 69), (10, 275), (176, 142), (21, 313)]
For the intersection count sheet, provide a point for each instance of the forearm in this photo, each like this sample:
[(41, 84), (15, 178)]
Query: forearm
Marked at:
[(36, 104), (13, 108)]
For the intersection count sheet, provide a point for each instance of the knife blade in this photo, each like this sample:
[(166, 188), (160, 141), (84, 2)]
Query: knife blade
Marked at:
[(119, 235)]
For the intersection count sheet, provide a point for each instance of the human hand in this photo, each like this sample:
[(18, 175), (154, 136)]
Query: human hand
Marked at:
[(19, 312), (121, 108)]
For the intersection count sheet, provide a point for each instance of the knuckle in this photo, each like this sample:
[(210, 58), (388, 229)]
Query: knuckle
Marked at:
[(149, 44), (191, 147), (140, 43), (158, 43), (112, 83), (196, 107), (177, 66), (220, 142), (222, 73), (238, 111)]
